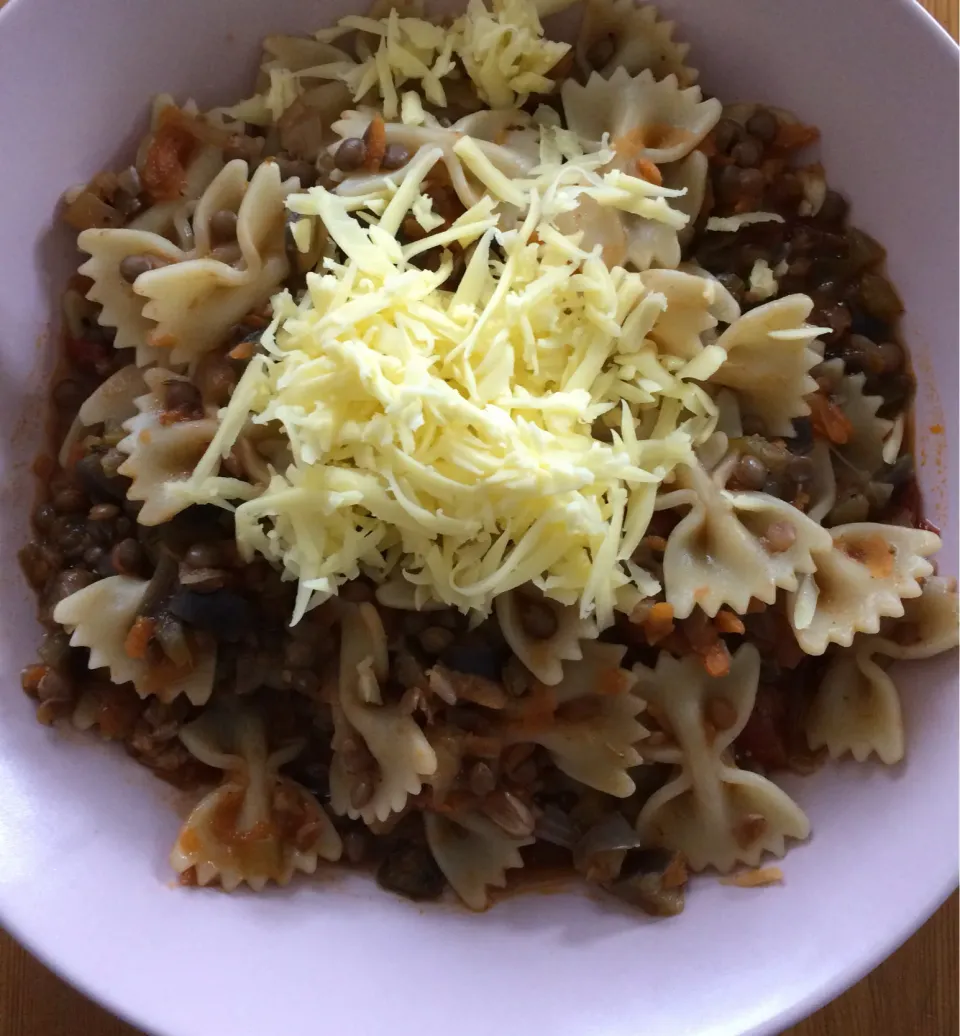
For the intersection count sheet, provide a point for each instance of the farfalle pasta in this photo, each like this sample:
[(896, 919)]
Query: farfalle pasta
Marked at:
[(714, 813), (543, 655), (620, 34), (479, 452), (647, 119), (502, 138), (721, 552), (770, 353), (474, 854), (400, 755), (856, 708), (594, 729), (864, 576), (162, 447), (106, 617), (183, 301), (257, 826)]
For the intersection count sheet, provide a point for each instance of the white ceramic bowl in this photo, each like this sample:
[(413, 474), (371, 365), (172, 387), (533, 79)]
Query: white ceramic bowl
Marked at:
[(84, 833)]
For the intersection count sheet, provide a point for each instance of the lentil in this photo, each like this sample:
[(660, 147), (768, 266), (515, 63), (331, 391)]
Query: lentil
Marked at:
[(133, 266), (68, 582), (181, 395), (834, 209), (726, 134), (800, 469), (537, 618), (395, 156), (127, 557), (103, 512), (356, 845), (69, 394), (779, 537), (43, 517), (69, 501), (747, 153), (435, 639), (53, 686), (223, 226), (351, 154), (411, 871), (203, 555), (763, 125), (878, 297), (750, 472)]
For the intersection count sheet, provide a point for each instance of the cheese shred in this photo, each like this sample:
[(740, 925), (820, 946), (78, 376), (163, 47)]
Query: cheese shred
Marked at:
[(446, 436)]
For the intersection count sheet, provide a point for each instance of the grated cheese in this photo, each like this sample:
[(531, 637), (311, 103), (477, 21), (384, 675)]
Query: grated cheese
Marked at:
[(502, 50), (445, 437), (763, 284), (731, 224)]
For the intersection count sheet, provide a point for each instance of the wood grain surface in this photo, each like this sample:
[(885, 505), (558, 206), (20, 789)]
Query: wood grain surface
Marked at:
[(912, 993)]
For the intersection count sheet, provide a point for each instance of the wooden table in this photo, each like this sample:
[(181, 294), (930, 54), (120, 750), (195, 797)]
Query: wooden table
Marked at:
[(913, 993)]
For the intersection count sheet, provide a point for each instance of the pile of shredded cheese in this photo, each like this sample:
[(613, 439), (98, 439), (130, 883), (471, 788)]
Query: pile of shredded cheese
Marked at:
[(448, 434), (502, 49)]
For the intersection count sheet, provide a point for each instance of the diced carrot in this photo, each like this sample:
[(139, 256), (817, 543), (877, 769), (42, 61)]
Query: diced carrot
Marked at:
[(612, 681), (31, 676), (794, 135), (829, 421), (375, 139), (727, 622), (119, 708), (676, 873), (657, 543), (243, 351), (658, 622), (755, 878), (139, 636), (164, 341), (188, 879), (646, 170), (164, 167), (716, 659), (44, 466)]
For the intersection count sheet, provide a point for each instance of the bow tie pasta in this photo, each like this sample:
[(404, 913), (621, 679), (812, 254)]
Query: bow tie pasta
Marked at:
[(715, 813), (856, 708), (106, 618), (257, 826)]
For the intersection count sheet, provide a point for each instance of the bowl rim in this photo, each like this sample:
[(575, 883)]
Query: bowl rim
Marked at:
[(95, 985)]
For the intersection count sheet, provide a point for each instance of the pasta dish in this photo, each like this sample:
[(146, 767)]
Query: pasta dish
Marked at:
[(479, 454)]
